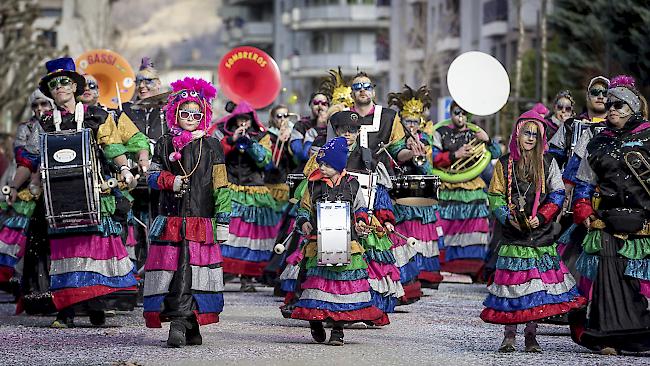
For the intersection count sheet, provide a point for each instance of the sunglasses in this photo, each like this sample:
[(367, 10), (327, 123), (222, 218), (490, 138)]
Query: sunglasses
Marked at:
[(347, 129), (196, 116), (92, 85), (281, 115), (531, 134), (458, 111), (364, 86), (147, 81), (320, 102), (564, 108), (40, 104), (59, 81), (597, 91), (618, 104)]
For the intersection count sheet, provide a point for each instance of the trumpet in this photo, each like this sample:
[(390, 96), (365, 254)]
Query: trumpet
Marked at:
[(418, 160), (477, 150)]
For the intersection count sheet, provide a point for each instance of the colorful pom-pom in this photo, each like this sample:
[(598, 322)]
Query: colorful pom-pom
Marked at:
[(175, 156)]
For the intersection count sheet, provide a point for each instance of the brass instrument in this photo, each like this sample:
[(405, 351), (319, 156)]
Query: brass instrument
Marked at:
[(418, 160), (640, 167), (478, 149)]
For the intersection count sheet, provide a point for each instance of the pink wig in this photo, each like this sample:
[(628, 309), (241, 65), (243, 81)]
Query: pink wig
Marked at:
[(622, 80), (188, 90)]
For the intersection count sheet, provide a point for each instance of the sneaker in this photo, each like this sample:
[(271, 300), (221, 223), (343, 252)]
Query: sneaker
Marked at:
[(193, 335), (176, 337), (97, 317), (336, 337), (508, 345), (317, 331)]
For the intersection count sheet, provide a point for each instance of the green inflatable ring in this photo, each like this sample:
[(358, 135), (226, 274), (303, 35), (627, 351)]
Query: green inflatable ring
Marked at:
[(470, 174)]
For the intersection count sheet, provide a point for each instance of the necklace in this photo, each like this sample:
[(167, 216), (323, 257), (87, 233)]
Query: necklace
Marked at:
[(197, 162), (521, 199)]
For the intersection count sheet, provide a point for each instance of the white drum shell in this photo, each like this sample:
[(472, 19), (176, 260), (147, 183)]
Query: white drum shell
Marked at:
[(334, 233)]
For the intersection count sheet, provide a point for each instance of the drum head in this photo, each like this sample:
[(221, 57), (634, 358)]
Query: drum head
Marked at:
[(478, 83), (416, 201)]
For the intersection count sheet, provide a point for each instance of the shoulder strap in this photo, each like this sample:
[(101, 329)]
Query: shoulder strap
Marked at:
[(366, 156)]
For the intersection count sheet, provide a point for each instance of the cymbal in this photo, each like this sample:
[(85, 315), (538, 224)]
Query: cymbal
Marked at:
[(157, 100)]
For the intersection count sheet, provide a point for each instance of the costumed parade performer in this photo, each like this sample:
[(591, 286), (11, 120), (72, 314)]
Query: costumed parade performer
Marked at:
[(340, 294), (184, 274), (90, 268), (310, 133), (463, 204), (255, 215), (417, 217), (383, 274), (563, 109), (526, 194), (614, 202), (18, 209)]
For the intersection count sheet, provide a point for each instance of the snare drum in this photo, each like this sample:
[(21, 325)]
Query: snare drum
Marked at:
[(415, 190), (293, 180), (334, 233), (69, 170)]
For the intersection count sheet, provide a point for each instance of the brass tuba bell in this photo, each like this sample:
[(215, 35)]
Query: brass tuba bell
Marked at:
[(477, 149)]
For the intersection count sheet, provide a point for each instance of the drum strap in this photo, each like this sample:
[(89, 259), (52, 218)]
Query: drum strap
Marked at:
[(374, 127), (366, 156), (78, 117)]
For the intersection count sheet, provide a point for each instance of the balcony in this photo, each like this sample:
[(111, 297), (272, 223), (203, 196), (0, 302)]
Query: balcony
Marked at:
[(316, 65), (337, 16), (251, 33), (414, 54), (495, 18)]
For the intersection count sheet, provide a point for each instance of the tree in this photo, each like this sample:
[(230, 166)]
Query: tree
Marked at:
[(24, 49), (602, 37)]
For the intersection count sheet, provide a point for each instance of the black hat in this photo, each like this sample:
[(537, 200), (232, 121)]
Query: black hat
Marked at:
[(62, 67), (345, 118)]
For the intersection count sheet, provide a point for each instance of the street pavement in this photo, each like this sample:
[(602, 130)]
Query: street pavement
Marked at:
[(442, 329)]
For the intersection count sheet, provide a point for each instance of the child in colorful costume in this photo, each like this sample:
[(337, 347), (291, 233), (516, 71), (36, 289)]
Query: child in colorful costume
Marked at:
[(340, 294), (184, 275), (526, 194)]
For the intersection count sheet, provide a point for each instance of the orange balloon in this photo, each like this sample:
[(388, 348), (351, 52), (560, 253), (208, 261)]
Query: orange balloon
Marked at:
[(249, 74), (108, 67)]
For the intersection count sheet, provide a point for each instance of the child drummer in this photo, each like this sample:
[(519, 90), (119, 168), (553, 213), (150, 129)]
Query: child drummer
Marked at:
[(340, 294)]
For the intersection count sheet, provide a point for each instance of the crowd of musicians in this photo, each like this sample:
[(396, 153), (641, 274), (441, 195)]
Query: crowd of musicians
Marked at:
[(556, 222)]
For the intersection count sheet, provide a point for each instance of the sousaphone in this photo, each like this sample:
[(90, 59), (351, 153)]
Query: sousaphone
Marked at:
[(115, 77), (479, 84), (249, 74)]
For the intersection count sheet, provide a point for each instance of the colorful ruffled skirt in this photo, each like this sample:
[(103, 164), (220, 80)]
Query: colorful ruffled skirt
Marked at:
[(383, 274), (529, 284), (254, 225), (183, 272), (615, 278), (464, 213), (14, 225), (337, 293), (423, 223), (90, 266), (405, 261)]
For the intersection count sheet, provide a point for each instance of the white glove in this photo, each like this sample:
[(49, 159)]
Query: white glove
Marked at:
[(127, 176), (178, 183), (311, 135)]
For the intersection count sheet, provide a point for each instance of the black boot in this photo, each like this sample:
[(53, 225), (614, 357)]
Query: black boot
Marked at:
[(317, 331), (64, 319), (177, 331), (246, 284), (336, 336), (193, 335), (97, 317), (508, 344)]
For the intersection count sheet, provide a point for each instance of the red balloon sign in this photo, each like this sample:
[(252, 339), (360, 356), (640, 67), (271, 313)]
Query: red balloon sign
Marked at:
[(249, 74)]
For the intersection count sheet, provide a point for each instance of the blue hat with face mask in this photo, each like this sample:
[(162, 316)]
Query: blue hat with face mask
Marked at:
[(334, 153)]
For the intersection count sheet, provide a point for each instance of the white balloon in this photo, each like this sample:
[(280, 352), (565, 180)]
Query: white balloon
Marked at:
[(478, 83)]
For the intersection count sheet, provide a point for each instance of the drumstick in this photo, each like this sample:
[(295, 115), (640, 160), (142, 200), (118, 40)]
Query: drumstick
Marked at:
[(119, 97)]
